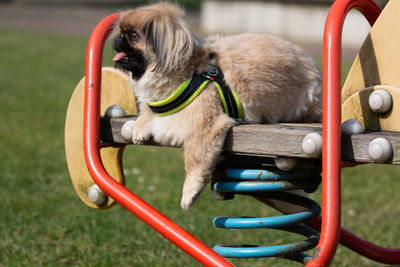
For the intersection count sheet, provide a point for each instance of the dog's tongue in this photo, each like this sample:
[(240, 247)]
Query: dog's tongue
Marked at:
[(119, 56)]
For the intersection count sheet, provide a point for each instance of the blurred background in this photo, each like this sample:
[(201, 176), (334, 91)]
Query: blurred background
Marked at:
[(43, 222), (301, 21)]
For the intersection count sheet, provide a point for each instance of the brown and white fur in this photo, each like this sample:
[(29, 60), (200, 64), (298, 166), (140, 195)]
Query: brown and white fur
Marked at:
[(274, 80)]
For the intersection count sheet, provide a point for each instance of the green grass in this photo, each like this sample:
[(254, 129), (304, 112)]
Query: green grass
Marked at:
[(43, 223)]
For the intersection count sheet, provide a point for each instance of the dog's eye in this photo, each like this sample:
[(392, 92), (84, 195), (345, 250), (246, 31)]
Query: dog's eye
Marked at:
[(133, 36)]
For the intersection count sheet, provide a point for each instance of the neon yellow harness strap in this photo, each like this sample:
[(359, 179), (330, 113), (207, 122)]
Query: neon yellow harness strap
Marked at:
[(191, 88)]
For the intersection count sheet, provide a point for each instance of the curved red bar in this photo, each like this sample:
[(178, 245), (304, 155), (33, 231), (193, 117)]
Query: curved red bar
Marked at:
[(331, 151), (362, 246), (368, 249), (119, 193)]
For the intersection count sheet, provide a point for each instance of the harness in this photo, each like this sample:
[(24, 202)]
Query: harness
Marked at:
[(191, 88)]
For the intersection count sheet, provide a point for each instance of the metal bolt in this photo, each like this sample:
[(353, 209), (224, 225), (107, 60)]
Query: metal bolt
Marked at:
[(380, 101), (96, 195), (126, 130), (380, 150), (285, 164), (115, 111), (352, 126), (312, 145)]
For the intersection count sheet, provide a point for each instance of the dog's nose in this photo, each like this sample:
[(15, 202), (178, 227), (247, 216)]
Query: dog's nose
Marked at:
[(120, 43)]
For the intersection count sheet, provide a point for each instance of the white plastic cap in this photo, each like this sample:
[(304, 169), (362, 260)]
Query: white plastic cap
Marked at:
[(115, 111), (380, 101), (285, 164), (352, 126), (126, 130), (96, 195), (380, 150), (312, 145)]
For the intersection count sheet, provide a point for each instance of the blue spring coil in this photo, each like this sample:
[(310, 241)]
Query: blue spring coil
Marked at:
[(270, 184)]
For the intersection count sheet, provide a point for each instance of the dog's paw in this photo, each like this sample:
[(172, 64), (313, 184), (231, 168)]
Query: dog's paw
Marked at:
[(130, 131), (192, 189), (188, 199), (138, 141), (139, 135)]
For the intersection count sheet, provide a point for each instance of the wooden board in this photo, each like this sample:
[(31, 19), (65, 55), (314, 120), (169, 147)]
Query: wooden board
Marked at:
[(273, 140), (115, 90)]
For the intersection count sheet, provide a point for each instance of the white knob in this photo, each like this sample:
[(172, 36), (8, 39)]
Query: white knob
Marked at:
[(285, 164), (352, 126), (96, 195), (312, 145), (380, 150), (126, 130), (115, 111), (380, 101)]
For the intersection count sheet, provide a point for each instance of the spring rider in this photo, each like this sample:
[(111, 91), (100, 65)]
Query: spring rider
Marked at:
[(359, 126)]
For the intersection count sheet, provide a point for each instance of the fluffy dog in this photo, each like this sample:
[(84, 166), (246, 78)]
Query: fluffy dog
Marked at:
[(274, 80)]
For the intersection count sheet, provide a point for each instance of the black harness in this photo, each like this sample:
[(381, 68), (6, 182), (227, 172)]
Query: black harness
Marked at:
[(190, 89)]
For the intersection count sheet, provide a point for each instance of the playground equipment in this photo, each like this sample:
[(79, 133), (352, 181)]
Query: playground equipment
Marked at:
[(292, 152)]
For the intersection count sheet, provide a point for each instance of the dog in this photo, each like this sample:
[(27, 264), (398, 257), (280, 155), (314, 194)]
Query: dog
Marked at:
[(263, 78)]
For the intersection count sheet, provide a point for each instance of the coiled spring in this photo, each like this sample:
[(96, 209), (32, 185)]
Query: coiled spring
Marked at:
[(262, 183)]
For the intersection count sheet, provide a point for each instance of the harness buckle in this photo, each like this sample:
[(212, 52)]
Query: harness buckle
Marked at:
[(212, 71)]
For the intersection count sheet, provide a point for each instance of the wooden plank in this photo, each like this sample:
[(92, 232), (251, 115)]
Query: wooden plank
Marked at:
[(272, 140), (268, 139), (355, 147)]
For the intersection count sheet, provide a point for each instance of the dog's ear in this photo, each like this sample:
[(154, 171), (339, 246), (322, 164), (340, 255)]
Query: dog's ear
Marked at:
[(170, 38)]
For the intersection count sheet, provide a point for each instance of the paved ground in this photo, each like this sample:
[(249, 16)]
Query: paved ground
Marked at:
[(79, 20), (73, 20)]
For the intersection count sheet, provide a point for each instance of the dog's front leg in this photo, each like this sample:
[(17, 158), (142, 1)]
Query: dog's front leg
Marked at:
[(201, 153), (141, 128)]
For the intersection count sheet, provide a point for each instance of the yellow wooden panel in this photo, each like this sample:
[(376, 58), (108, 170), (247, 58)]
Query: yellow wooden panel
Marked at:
[(115, 91), (357, 107), (378, 62)]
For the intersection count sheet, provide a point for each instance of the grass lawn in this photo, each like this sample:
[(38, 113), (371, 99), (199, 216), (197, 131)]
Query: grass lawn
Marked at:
[(43, 223)]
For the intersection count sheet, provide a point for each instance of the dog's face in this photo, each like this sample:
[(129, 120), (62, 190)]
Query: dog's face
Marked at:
[(129, 56), (153, 37)]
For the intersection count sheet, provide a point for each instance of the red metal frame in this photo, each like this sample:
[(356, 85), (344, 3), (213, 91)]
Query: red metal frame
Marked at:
[(331, 122), (362, 246), (331, 208), (331, 165)]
